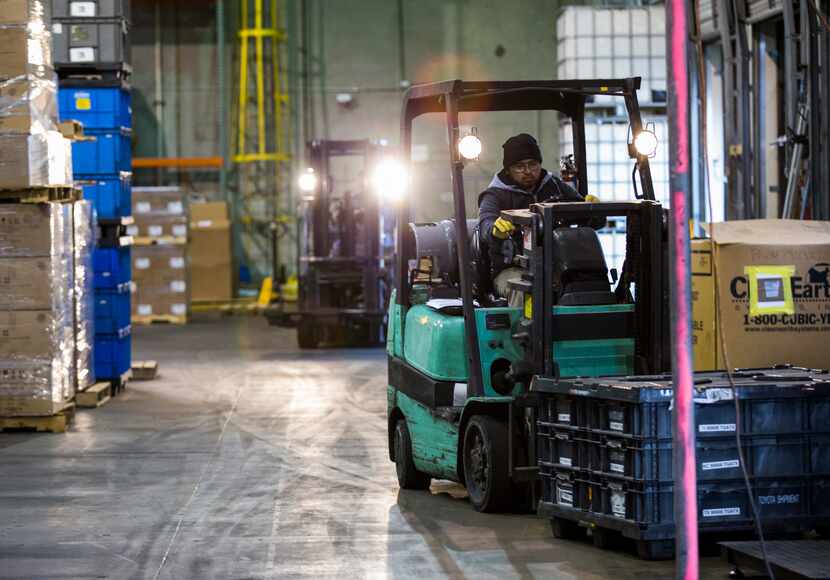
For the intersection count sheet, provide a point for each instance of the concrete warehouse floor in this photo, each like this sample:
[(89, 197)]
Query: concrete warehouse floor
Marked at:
[(250, 459)]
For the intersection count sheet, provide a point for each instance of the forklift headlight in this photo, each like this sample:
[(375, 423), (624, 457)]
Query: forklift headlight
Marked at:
[(307, 181), (390, 180), (469, 147), (646, 143)]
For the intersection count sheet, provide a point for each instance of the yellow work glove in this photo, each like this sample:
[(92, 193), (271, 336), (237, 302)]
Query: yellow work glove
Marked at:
[(502, 229), (591, 198)]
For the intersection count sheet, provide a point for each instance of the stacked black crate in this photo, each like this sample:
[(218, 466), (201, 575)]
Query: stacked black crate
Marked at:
[(91, 53), (605, 454)]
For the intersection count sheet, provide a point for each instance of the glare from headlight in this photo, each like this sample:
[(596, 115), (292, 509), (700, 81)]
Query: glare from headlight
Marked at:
[(646, 143), (390, 180), (469, 147), (307, 181)]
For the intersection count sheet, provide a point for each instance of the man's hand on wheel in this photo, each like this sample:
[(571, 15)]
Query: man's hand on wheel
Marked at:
[(502, 229)]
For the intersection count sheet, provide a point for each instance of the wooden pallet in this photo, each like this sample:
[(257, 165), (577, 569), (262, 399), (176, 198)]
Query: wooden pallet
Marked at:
[(242, 306), (95, 396), (58, 193), (160, 241), (159, 319), (56, 423), (145, 370)]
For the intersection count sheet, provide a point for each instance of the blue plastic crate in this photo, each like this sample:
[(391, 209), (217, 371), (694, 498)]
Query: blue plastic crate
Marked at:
[(96, 107), (111, 196), (112, 267), (112, 310), (113, 354), (108, 155)]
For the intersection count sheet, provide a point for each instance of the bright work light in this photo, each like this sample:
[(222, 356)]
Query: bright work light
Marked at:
[(646, 143), (308, 181), (469, 147), (390, 179)]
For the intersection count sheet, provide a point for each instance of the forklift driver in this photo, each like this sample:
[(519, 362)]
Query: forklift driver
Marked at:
[(521, 182)]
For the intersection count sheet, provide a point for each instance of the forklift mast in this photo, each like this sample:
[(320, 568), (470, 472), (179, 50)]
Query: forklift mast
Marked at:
[(453, 97)]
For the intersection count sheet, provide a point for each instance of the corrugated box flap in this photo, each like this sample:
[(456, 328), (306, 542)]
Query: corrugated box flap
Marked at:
[(771, 232)]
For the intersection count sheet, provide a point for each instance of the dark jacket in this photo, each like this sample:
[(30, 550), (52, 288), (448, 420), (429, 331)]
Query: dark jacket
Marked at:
[(501, 195)]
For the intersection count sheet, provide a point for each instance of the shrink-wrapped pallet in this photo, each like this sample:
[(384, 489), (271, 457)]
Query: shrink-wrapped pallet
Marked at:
[(37, 350), (84, 233)]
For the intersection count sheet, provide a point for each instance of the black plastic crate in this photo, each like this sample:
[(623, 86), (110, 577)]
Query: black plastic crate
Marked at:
[(776, 401), (717, 459), (566, 488), (784, 503), (818, 449), (563, 411), (562, 447)]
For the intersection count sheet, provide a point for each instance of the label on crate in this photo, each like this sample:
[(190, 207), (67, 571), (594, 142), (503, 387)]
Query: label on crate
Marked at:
[(564, 417), (728, 464), (565, 496), (616, 426), (179, 309), (178, 286), (566, 461), (782, 499), (177, 262), (717, 428), (155, 230), (721, 512), (144, 309), (82, 54), (618, 504), (83, 101), (180, 231), (143, 207), (142, 263), (175, 207), (82, 9)]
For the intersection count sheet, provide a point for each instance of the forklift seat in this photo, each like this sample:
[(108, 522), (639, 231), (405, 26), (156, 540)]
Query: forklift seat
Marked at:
[(580, 273)]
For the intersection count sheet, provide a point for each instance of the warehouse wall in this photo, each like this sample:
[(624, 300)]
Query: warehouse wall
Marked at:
[(355, 44), (474, 40)]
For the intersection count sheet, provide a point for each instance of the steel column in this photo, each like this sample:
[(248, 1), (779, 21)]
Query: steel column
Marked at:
[(678, 24)]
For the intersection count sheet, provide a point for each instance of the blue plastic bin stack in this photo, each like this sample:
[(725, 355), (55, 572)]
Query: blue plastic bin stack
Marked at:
[(96, 92)]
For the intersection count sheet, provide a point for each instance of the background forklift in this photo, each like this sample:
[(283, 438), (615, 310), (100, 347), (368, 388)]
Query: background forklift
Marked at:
[(342, 274), (460, 364)]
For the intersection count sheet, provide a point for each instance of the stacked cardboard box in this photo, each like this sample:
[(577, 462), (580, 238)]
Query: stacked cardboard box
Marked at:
[(211, 255), (37, 353), (159, 213), (32, 152), (761, 291), (160, 275), (160, 264)]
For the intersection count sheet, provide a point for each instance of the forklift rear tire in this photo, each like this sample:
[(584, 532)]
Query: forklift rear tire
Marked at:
[(485, 464), (408, 476), (307, 335)]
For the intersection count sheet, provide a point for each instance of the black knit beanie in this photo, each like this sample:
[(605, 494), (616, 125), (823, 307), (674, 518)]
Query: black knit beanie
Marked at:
[(519, 147)]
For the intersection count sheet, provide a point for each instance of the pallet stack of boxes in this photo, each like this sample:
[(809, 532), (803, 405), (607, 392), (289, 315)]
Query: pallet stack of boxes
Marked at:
[(91, 44), (160, 257), (44, 349)]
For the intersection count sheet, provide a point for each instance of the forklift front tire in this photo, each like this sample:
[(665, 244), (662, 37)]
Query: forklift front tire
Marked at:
[(408, 476), (485, 464)]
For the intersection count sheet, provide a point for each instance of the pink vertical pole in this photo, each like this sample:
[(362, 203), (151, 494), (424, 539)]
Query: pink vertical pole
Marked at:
[(685, 476)]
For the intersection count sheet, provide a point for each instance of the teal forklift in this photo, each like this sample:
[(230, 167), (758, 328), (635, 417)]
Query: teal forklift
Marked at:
[(461, 362)]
